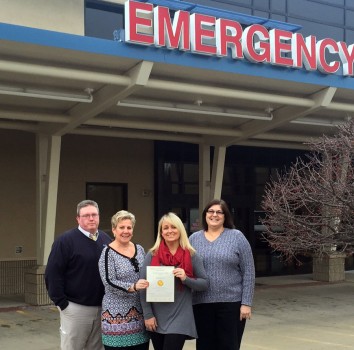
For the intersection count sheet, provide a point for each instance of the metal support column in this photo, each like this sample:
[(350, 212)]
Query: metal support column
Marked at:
[(218, 172)]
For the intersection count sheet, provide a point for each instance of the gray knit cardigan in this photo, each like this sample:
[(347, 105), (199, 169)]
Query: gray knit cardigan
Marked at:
[(229, 265)]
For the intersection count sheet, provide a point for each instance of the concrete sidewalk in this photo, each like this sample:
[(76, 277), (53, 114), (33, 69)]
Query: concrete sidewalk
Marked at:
[(295, 312), (289, 313)]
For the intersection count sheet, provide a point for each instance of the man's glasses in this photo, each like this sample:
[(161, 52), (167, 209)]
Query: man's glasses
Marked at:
[(87, 216), (217, 212)]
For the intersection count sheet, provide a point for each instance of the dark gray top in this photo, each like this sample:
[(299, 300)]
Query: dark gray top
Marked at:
[(176, 317)]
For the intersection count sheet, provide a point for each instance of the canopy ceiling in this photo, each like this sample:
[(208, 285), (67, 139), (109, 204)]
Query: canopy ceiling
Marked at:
[(62, 84)]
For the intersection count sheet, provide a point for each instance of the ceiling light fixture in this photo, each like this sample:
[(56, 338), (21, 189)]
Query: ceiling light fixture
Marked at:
[(313, 122), (75, 96), (195, 109)]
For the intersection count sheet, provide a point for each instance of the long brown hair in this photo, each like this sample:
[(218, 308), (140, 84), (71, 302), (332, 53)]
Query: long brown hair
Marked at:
[(228, 221)]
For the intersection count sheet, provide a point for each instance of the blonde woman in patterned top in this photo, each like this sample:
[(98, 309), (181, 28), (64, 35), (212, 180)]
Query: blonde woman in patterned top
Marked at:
[(122, 317)]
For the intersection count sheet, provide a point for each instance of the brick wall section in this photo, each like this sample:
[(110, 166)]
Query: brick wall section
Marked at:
[(35, 289), (12, 276)]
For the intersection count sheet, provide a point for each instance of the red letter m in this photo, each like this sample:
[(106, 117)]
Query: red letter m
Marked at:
[(174, 35)]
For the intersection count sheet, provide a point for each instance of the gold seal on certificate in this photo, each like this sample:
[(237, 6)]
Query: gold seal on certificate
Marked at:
[(161, 284)]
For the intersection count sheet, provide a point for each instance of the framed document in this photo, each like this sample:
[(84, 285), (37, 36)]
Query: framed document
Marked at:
[(161, 284)]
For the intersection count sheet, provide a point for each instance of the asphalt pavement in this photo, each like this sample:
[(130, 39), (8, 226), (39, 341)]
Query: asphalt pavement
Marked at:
[(289, 313)]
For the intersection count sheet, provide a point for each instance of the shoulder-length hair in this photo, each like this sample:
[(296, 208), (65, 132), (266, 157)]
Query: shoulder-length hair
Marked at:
[(228, 221), (175, 221)]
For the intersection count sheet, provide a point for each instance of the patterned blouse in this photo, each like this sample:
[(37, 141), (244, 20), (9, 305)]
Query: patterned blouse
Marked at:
[(122, 315)]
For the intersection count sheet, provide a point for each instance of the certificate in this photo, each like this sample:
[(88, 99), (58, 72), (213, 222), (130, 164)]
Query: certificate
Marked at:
[(161, 284)]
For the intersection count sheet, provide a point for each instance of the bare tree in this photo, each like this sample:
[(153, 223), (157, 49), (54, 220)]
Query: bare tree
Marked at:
[(310, 208)]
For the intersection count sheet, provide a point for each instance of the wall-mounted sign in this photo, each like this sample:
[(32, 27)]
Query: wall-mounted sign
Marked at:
[(146, 24)]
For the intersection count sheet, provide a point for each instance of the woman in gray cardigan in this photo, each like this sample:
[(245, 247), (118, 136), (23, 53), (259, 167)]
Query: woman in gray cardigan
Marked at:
[(171, 323), (222, 310)]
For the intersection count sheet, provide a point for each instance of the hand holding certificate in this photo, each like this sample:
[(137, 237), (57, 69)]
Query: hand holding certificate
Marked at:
[(161, 284)]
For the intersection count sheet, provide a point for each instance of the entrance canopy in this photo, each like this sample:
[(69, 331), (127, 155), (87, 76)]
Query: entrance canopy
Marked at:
[(57, 84)]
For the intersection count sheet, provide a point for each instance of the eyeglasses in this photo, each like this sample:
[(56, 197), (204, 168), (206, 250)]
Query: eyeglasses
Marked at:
[(87, 216), (216, 212)]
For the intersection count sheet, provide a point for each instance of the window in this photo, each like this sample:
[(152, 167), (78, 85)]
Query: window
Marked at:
[(181, 178), (103, 19)]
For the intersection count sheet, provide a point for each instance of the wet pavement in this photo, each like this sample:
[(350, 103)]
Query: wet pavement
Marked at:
[(310, 317), (29, 328), (289, 313)]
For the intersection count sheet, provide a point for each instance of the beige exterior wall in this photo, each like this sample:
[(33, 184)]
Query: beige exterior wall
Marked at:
[(83, 159), (107, 160), (57, 15), (17, 195)]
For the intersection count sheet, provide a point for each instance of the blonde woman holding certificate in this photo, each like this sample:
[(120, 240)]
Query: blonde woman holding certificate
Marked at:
[(170, 324)]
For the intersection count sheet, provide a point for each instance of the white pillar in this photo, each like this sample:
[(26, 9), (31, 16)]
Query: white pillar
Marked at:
[(204, 175), (218, 172), (48, 159)]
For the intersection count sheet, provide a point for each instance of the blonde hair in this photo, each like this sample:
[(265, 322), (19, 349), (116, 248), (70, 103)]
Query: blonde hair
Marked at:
[(174, 220), (122, 215)]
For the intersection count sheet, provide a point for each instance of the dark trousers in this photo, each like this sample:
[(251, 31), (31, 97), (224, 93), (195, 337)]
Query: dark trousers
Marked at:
[(144, 346), (167, 341), (219, 326)]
